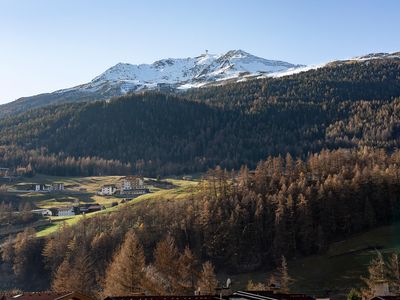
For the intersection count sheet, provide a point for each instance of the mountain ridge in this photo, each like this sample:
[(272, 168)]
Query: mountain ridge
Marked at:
[(181, 72), (176, 74), (164, 74)]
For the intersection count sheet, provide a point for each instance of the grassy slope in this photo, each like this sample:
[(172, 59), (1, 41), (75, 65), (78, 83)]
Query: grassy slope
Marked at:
[(90, 185), (182, 189), (335, 272)]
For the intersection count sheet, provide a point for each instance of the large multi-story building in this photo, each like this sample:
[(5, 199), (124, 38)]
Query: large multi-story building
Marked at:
[(131, 183)]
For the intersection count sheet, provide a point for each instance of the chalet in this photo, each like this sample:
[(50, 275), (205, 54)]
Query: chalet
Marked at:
[(109, 189)]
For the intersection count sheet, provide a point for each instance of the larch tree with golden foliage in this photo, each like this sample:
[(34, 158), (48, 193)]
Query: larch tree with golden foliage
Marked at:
[(61, 280), (76, 273), (208, 280), (126, 272), (187, 272), (166, 262), (284, 277)]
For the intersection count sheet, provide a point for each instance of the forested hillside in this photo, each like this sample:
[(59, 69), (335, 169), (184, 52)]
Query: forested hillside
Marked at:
[(241, 221), (336, 82), (342, 105), (323, 146)]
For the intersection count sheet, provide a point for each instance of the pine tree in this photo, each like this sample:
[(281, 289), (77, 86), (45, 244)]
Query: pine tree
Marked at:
[(125, 273), (208, 280)]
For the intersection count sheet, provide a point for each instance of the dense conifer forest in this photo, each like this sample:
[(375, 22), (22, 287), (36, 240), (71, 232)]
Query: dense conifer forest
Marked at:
[(345, 105)]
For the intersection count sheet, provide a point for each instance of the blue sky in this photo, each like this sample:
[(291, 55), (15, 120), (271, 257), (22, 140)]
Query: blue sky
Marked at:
[(47, 45)]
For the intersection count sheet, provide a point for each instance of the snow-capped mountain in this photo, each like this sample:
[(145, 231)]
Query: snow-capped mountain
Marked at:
[(176, 74), (165, 74), (182, 73)]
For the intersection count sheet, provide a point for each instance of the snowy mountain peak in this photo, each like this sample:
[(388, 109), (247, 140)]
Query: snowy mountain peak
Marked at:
[(185, 72), (182, 73), (237, 54)]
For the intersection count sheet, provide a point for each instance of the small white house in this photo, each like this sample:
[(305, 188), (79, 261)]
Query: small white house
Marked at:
[(108, 189), (66, 211), (41, 187), (43, 211)]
